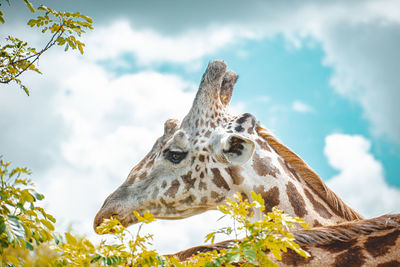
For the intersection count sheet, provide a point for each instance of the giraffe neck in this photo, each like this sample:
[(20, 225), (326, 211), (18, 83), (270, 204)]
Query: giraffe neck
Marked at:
[(285, 181)]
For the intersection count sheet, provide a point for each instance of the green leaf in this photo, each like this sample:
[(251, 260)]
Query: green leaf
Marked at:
[(2, 226), (29, 5), (250, 255), (29, 246), (1, 18), (37, 195), (234, 257), (43, 8), (95, 259), (25, 89), (17, 229)]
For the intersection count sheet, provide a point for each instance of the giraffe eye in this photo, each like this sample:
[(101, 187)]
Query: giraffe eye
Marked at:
[(175, 156)]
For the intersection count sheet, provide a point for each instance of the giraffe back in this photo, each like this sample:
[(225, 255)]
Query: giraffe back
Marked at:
[(369, 242)]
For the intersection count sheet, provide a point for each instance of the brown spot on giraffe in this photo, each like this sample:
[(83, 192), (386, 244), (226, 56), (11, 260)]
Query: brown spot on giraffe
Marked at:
[(316, 223), (217, 197), (143, 175), (263, 144), (393, 263), (271, 197), (292, 258), (201, 158), (171, 191), (204, 200), (263, 166), (318, 207), (234, 173), (380, 245), (164, 184), (149, 164), (202, 186), (188, 200), (168, 205), (338, 245), (131, 178), (218, 180), (201, 175), (244, 196), (207, 134), (296, 200), (188, 180), (352, 257)]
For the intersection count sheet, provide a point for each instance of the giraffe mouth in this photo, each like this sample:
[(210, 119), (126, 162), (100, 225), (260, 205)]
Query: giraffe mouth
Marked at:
[(175, 215)]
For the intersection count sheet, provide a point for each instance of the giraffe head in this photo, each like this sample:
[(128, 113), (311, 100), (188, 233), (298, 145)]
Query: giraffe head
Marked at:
[(183, 174)]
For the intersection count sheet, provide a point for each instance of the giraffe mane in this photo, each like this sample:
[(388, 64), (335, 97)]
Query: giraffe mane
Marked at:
[(325, 235), (309, 176)]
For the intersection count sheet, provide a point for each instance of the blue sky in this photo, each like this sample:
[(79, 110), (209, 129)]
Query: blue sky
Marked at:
[(323, 76)]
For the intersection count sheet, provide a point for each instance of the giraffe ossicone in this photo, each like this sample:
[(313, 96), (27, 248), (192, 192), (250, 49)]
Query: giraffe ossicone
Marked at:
[(196, 164)]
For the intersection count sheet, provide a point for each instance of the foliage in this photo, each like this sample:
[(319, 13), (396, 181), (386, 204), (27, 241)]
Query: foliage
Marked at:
[(125, 250), (27, 237), (271, 233), (23, 224), (65, 28)]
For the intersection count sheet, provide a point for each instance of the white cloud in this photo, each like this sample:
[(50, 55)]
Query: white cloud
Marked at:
[(360, 182), (361, 47), (301, 107), (149, 46)]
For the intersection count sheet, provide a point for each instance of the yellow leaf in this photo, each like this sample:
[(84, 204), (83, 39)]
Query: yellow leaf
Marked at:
[(71, 239), (12, 259), (48, 224), (147, 216)]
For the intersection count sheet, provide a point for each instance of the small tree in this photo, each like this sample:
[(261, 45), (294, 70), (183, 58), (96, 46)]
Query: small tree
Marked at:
[(17, 57)]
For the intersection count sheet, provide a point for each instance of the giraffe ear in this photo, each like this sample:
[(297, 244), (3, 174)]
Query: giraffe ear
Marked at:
[(236, 149)]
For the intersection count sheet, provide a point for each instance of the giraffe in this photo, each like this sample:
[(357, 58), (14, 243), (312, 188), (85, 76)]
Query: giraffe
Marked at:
[(199, 162)]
